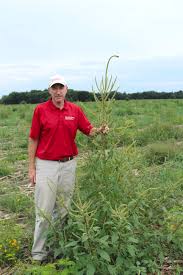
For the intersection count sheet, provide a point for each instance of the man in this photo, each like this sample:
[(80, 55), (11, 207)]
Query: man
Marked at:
[(52, 151)]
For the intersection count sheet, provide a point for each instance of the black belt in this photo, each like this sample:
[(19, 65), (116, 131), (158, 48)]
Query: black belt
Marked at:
[(65, 159)]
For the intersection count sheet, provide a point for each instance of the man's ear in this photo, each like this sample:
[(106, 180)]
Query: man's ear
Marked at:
[(49, 91)]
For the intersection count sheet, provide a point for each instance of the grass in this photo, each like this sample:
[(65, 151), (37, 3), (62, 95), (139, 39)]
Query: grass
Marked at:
[(161, 152), (155, 127)]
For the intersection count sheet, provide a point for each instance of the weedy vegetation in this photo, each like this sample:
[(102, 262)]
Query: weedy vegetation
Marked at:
[(126, 215)]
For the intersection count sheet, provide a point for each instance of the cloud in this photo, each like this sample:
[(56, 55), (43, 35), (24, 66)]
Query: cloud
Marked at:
[(75, 38)]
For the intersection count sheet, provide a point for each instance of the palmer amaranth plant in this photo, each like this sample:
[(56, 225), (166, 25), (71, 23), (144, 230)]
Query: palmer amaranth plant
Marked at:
[(123, 218), (104, 94)]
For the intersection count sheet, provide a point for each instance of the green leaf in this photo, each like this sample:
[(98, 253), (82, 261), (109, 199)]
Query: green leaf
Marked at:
[(111, 269), (84, 237), (119, 261), (103, 240), (74, 243), (103, 254), (169, 238), (96, 228), (133, 240), (90, 269), (65, 262), (57, 252), (131, 250), (114, 237)]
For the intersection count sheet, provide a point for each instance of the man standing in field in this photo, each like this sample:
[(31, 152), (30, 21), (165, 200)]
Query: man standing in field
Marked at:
[(52, 151)]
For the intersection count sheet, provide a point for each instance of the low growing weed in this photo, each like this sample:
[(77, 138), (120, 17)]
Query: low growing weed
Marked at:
[(11, 234), (16, 202), (63, 266), (158, 132), (160, 152)]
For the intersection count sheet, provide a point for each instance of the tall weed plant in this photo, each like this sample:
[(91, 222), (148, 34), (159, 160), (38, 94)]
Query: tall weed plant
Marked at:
[(123, 210)]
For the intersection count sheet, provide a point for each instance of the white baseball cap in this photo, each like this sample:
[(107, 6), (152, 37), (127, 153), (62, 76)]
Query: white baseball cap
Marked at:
[(57, 79)]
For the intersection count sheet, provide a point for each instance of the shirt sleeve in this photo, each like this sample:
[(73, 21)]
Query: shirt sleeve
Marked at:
[(84, 124), (36, 125)]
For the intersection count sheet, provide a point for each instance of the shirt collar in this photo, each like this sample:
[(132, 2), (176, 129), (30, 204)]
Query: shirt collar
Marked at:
[(53, 107)]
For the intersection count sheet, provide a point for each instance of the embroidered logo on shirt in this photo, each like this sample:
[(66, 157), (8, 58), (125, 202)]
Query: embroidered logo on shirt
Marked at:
[(69, 117)]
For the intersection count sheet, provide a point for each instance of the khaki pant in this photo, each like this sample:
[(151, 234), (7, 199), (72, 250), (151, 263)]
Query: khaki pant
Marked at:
[(54, 185)]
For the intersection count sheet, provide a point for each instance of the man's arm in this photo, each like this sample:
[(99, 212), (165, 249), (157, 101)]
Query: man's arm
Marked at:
[(32, 146), (86, 128)]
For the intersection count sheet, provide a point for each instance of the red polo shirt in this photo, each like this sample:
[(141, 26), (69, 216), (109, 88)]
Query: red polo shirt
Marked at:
[(56, 129)]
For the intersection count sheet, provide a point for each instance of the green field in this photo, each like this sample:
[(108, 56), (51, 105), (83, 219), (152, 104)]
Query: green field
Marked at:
[(127, 214)]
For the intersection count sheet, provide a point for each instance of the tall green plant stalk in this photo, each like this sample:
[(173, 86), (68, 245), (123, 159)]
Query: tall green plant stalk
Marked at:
[(104, 97), (84, 214)]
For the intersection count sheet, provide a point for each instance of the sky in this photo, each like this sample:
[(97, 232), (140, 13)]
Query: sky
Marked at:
[(41, 38)]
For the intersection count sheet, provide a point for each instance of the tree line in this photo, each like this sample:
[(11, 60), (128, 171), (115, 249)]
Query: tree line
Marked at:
[(38, 96)]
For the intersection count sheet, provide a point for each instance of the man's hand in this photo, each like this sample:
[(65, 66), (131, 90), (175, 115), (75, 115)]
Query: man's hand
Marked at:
[(104, 129), (32, 176), (32, 152)]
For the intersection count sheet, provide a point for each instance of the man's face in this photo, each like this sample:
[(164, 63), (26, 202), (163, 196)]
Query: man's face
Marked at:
[(58, 93)]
